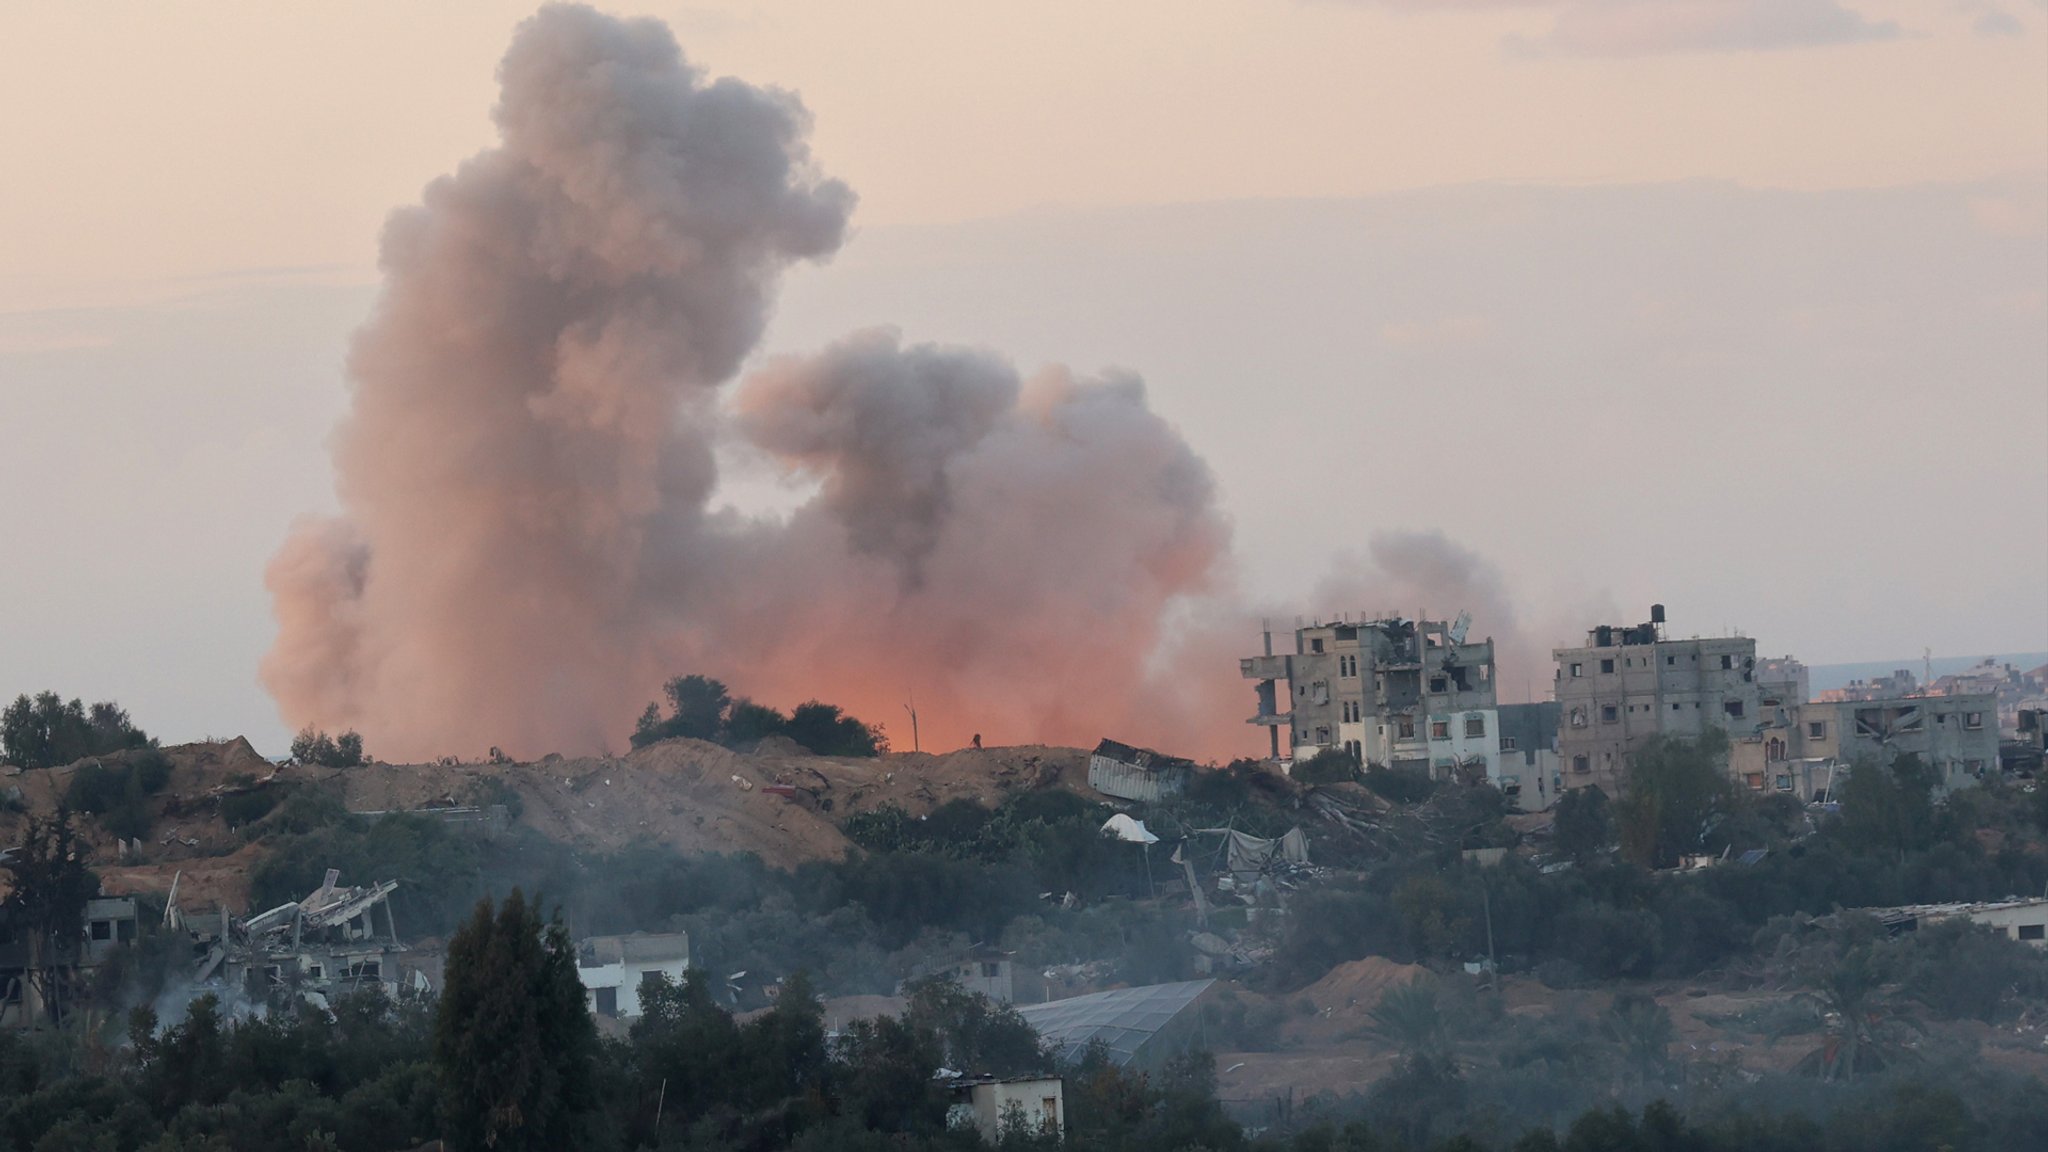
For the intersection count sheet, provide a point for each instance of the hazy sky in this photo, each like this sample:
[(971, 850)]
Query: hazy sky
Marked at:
[(1737, 304)]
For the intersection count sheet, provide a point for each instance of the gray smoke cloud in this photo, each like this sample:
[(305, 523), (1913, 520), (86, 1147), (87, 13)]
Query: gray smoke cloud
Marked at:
[(524, 550), (530, 442)]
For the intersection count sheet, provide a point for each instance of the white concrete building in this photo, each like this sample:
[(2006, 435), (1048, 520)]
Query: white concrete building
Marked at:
[(1465, 745), (614, 969), (1036, 1103), (2022, 920)]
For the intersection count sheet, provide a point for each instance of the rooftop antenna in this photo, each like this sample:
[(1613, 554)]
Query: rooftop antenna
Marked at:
[(1927, 665)]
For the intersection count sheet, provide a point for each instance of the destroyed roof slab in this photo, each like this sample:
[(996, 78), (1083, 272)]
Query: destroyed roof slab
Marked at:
[(1141, 757)]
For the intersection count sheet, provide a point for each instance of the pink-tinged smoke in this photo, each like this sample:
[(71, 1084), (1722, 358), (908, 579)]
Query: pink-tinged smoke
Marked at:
[(524, 550)]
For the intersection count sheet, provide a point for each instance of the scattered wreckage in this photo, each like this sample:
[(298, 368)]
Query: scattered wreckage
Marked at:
[(317, 949)]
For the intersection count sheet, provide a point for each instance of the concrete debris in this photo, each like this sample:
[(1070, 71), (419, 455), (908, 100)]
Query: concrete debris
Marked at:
[(323, 946)]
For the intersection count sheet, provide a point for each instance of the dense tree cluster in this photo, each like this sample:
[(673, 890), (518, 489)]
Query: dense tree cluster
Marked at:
[(700, 708), (44, 731), (312, 746)]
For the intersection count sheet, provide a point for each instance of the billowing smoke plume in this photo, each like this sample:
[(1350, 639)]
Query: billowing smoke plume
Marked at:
[(526, 465), (524, 550)]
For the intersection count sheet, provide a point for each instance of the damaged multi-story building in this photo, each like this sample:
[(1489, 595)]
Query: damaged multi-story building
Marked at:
[(1631, 683), (41, 982), (319, 948), (1413, 694)]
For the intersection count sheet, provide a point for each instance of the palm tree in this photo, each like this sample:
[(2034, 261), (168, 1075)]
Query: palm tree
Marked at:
[(1409, 1018), (1865, 1028), (1642, 1029)]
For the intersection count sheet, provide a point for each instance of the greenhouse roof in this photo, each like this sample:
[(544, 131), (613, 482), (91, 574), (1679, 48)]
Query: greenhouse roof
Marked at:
[(1123, 1019)]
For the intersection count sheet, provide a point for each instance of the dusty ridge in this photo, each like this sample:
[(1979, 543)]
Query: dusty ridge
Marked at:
[(782, 803)]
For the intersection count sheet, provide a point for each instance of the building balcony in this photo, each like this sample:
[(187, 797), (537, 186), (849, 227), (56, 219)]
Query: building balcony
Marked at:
[(1263, 667)]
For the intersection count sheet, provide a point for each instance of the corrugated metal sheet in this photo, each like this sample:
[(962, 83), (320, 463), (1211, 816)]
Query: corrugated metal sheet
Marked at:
[(1130, 782)]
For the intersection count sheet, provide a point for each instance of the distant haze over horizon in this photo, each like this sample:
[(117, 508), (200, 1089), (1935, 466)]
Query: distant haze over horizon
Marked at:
[(1735, 328)]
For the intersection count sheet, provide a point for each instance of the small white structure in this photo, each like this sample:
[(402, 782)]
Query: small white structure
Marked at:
[(615, 968), (990, 1103), (109, 925), (2022, 920), (982, 969), (1465, 743)]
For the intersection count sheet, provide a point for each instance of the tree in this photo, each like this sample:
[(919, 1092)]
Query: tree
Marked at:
[(825, 730), (1641, 1028), (696, 711), (1847, 971), (1888, 809), (975, 1035), (1328, 766), (1582, 826), (51, 886), (514, 1043), (1677, 790), (315, 747), (1409, 1019), (44, 731), (749, 723), (1961, 969)]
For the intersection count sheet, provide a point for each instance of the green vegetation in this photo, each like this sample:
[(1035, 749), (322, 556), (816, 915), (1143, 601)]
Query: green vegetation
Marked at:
[(700, 708), (1676, 793), (45, 732), (514, 1043), (1329, 766), (1612, 917), (315, 747), (508, 1059), (118, 792)]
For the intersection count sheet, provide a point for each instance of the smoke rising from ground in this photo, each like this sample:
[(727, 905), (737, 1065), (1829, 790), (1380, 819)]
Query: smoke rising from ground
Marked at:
[(525, 549)]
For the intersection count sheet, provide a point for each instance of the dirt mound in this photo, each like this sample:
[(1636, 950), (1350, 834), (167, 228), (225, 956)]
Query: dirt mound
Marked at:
[(214, 764), (779, 802), (699, 797), (1354, 989), (203, 882)]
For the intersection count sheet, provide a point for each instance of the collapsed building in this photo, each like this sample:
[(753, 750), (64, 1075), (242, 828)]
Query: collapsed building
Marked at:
[(317, 949)]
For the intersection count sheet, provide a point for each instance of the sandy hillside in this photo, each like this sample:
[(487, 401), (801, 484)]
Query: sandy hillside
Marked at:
[(700, 797), (782, 804)]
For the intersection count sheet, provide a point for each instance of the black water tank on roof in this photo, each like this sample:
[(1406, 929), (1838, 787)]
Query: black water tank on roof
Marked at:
[(1656, 613), (1603, 636)]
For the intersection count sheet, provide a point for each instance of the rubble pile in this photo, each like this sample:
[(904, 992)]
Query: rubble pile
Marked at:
[(325, 945)]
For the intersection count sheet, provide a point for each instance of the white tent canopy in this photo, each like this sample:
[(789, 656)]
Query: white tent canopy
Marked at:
[(1124, 828)]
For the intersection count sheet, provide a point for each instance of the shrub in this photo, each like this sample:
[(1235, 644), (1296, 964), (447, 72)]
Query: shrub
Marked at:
[(1960, 969), (1401, 785), (1329, 766), (313, 747), (700, 708), (119, 792)]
